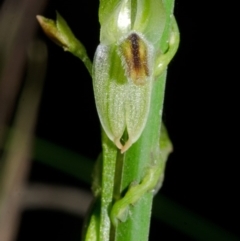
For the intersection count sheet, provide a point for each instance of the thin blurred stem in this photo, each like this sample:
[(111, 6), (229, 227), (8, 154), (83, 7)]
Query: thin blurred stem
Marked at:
[(16, 32), (16, 157)]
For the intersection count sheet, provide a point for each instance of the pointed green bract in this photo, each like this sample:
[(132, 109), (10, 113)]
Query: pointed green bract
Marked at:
[(106, 7), (117, 18), (116, 23), (150, 20)]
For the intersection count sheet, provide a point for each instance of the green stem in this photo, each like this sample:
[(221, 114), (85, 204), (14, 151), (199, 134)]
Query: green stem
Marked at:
[(85, 59), (108, 173), (137, 158)]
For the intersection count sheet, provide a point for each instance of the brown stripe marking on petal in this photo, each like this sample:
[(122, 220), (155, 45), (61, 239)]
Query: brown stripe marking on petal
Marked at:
[(134, 51)]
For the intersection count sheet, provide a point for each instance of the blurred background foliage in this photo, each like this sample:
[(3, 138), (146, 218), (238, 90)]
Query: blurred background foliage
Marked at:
[(50, 132)]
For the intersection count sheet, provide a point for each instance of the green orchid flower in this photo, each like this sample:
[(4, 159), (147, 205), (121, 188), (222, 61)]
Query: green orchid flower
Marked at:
[(123, 67)]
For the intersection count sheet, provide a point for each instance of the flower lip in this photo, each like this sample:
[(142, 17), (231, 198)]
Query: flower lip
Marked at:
[(134, 52)]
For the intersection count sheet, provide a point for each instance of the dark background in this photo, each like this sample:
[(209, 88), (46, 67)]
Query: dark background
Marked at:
[(201, 173)]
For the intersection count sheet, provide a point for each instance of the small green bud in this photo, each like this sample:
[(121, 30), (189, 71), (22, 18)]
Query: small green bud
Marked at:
[(60, 33), (123, 66)]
